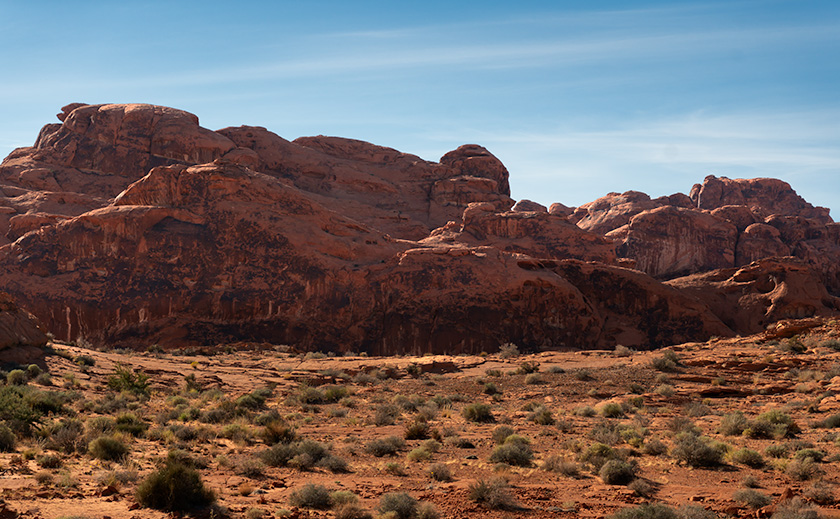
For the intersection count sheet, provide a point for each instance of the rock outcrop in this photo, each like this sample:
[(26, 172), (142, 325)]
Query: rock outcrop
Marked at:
[(131, 225), (21, 336)]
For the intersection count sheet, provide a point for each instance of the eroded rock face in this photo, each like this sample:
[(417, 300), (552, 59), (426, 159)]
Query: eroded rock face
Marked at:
[(765, 291), (669, 241), (21, 336), (130, 225)]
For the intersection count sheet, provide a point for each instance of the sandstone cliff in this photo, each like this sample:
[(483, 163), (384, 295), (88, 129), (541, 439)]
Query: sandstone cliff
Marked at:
[(132, 225)]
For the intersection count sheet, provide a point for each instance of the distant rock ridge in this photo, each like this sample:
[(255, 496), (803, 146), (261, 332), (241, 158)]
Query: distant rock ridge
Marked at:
[(132, 225)]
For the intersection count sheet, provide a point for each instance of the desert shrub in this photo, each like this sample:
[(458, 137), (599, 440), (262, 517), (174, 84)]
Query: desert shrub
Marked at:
[(85, 360), (772, 424), (751, 497), (440, 472), (748, 457), (646, 511), (493, 494), (513, 453), (386, 415), (733, 424), (796, 508), (586, 411), (598, 454), (174, 487), (388, 446), (682, 424), (534, 379), (334, 393), (43, 478), (617, 472), (541, 416), (612, 410), (417, 431), (802, 470), (821, 493), (352, 511), (278, 431), (48, 461), (392, 467), (311, 495), (342, 497), (402, 504), (830, 422), (814, 454), (478, 412), (669, 361), (501, 433), (129, 423), (641, 488), (654, 447), (426, 510), (696, 452), (508, 350), (583, 375), (185, 458), (278, 455), (8, 439), (776, 451), (695, 512), (622, 351), (126, 379), (560, 465), (249, 467), (528, 367), (108, 448), (17, 377), (491, 388)]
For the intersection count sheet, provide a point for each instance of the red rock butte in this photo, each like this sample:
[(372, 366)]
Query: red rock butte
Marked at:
[(131, 225)]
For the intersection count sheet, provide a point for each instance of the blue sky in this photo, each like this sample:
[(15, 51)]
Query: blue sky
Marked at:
[(577, 98)]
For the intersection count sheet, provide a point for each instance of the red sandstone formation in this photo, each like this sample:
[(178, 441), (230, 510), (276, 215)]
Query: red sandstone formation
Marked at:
[(21, 336), (132, 225)]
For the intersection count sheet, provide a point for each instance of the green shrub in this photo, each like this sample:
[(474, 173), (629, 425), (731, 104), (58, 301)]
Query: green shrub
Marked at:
[(612, 410), (130, 424), (17, 377), (65, 436), (513, 453), (598, 454), (478, 412), (402, 504), (501, 433), (311, 495), (108, 448), (352, 511), (174, 487), (8, 440), (493, 494), (776, 451), (748, 457), (386, 415), (802, 470), (617, 472), (491, 389), (814, 454), (278, 431), (126, 379), (541, 416), (669, 361), (696, 452), (508, 350)]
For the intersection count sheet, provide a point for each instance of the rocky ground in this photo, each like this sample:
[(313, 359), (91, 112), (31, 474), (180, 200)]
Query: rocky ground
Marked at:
[(593, 431)]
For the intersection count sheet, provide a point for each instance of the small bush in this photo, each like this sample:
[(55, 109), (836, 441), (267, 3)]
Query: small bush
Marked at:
[(491, 389), (8, 440), (752, 498), (802, 470), (126, 379), (733, 424), (617, 472), (821, 493), (796, 508), (278, 431), (501, 433), (388, 446), (352, 511), (696, 452), (612, 410), (560, 465), (669, 361), (174, 487), (622, 351), (585, 411), (508, 350), (402, 504), (654, 447), (598, 454), (776, 451), (478, 412), (386, 415), (541, 416), (748, 457), (513, 453), (130, 424), (311, 495), (493, 494), (534, 379), (17, 377), (646, 511), (108, 448), (641, 488), (440, 472), (417, 431), (813, 454)]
